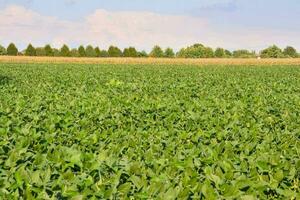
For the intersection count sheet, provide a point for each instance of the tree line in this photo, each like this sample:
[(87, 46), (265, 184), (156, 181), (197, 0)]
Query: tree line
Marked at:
[(194, 51)]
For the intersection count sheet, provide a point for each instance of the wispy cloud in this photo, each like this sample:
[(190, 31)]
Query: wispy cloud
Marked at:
[(125, 28)]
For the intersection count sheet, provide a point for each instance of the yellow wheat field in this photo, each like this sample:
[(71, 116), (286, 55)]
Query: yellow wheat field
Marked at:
[(170, 61)]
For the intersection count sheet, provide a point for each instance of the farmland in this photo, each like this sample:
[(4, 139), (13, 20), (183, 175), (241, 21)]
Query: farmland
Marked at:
[(116, 130)]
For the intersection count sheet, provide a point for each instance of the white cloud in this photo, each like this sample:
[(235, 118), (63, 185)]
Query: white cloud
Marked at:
[(125, 28)]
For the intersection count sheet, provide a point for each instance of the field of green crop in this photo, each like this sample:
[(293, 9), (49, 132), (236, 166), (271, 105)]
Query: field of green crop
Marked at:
[(74, 131)]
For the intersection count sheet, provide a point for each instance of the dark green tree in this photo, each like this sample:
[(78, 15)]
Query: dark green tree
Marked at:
[(169, 53), (103, 53), (12, 50), (290, 52), (243, 53), (157, 52), (2, 51), (48, 50), (142, 54), (228, 53), (81, 51), (74, 53), (196, 51), (220, 53), (40, 51), (30, 50), (65, 51), (97, 51), (114, 51), (272, 52), (56, 52), (90, 51), (130, 52)]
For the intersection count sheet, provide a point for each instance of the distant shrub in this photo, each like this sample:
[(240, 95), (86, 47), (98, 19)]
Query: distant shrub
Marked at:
[(290, 52), (242, 53), (220, 53), (103, 53), (272, 52), (142, 54), (90, 51), (65, 51), (114, 51), (169, 53), (12, 50), (196, 51), (40, 51), (2, 51), (81, 51), (97, 51), (74, 53), (156, 52), (30, 50), (48, 50), (130, 52)]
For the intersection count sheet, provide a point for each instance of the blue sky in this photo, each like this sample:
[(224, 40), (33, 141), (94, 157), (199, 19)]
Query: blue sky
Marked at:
[(232, 24)]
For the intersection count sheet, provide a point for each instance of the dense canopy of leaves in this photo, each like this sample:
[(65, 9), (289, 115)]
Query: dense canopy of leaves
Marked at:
[(114, 51), (157, 52), (12, 50)]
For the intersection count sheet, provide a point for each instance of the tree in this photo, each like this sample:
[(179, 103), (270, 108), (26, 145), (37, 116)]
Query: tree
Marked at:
[(272, 52), (290, 52), (30, 50), (81, 51), (65, 51), (56, 52), (142, 54), (97, 51), (2, 51), (103, 53), (114, 51), (12, 50), (74, 53), (90, 51), (130, 52), (196, 51), (228, 54), (40, 51), (169, 53), (157, 52), (48, 50), (242, 53), (220, 53)]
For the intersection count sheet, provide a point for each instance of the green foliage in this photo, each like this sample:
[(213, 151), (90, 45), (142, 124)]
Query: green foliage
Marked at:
[(114, 52), (140, 132), (220, 53), (30, 51), (130, 52), (169, 53), (103, 53), (228, 54), (56, 52), (142, 54), (156, 52), (272, 52), (196, 51), (243, 54), (81, 51), (75, 53), (290, 52), (90, 51), (12, 50), (65, 51), (2, 51), (40, 51), (48, 50), (98, 52)]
